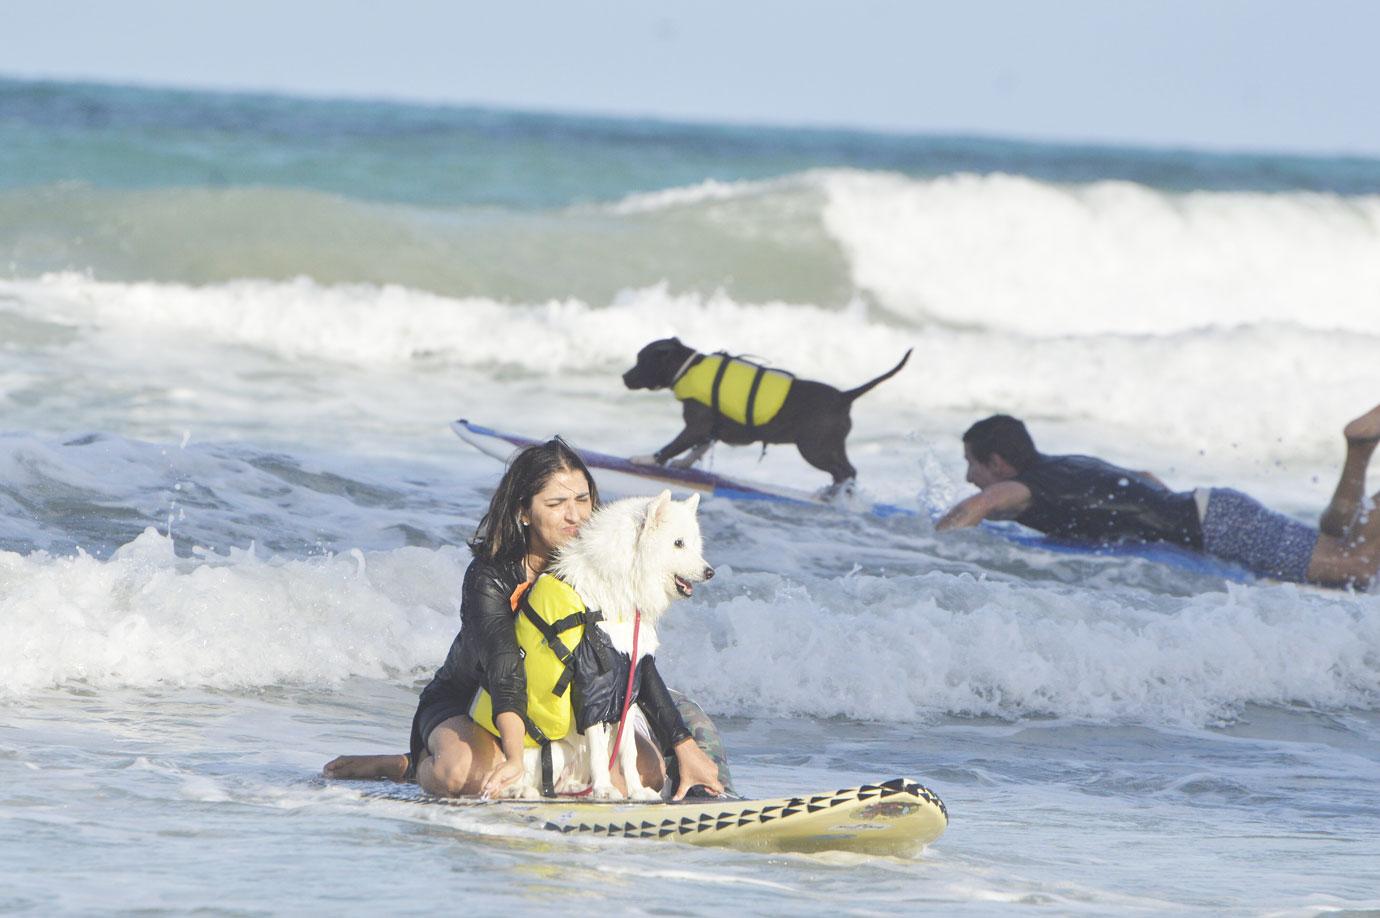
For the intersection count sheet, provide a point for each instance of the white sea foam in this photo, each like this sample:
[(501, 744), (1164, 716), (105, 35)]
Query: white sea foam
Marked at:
[(910, 648), (690, 195), (1259, 395), (898, 648), (305, 363), (998, 252), (1012, 253), (147, 618)]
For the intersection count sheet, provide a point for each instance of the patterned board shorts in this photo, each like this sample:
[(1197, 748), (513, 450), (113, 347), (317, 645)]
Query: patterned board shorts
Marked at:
[(1237, 528), (706, 736)]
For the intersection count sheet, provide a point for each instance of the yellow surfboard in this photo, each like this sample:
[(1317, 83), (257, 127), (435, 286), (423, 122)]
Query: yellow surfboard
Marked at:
[(896, 817), (893, 817)]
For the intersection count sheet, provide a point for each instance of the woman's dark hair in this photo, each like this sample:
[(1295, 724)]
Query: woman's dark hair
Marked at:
[(500, 536), (1005, 436)]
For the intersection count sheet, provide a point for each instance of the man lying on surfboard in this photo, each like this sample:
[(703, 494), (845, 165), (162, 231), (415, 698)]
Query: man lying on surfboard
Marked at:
[(1085, 499)]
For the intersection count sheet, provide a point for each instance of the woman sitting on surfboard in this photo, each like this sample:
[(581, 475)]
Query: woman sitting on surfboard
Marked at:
[(540, 503)]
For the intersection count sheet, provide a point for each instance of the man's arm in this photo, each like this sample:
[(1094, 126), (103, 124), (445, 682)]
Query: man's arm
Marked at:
[(1001, 501)]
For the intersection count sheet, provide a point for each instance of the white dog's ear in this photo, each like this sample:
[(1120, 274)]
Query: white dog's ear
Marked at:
[(656, 511), (692, 503)]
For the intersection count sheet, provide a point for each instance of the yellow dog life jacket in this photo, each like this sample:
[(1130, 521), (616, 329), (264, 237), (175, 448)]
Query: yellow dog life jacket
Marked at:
[(738, 389), (550, 624)]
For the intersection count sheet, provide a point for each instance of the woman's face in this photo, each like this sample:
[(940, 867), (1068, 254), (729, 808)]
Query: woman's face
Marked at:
[(556, 511)]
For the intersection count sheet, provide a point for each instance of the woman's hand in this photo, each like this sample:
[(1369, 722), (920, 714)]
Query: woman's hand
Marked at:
[(695, 768), (501, 777), (511, 732)]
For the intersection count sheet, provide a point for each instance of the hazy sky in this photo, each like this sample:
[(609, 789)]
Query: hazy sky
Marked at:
[(1240, 74)]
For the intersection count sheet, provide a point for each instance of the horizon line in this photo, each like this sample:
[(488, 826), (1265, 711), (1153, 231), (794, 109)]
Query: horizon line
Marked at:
[(693, 121)]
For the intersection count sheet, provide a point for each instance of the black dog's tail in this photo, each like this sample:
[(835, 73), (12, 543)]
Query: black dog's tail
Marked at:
[(866, 387)]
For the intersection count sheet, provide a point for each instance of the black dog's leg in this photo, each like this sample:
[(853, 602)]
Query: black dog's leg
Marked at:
[(698, 433), (686, 439), (829, 456), (695, 455)]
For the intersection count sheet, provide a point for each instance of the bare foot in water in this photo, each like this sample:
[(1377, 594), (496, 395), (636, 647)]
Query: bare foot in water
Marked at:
[(367, 767), (1365, 430)]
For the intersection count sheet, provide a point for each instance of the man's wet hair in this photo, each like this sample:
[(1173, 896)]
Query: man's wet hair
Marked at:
[(1005, 436)]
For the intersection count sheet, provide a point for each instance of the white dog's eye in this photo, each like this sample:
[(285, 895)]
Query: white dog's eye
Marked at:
[(680, 543)]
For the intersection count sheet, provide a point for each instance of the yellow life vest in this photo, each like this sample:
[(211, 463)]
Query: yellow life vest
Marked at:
[(738, 389), (550, 624)]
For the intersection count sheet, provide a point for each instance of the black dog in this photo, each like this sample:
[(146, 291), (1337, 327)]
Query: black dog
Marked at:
[(737, 402)]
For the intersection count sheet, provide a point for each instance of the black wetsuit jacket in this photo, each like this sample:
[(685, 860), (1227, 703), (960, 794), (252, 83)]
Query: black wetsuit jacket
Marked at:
[(485, 654), (1087, 500)]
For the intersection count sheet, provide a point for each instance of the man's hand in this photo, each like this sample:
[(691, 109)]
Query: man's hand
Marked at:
[(1002, 501), (695, 768)]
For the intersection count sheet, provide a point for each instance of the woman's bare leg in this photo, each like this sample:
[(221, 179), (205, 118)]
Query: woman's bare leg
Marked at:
[(1345, 510), (459, 756), (368, 767)]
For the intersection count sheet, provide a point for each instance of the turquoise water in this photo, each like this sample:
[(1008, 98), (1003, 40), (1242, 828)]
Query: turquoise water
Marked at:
[(233, 330), (135, 184), (433, 156)]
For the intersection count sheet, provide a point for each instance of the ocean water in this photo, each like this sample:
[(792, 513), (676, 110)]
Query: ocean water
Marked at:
[(233, 330)]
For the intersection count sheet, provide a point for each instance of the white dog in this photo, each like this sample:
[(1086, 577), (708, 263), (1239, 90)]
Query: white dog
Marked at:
[(634, 555)]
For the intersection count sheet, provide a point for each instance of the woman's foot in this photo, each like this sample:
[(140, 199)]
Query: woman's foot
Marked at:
[(1365, 430), (367, 767)]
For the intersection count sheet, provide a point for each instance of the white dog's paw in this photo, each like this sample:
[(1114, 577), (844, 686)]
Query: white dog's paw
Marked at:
[(646, 794), (648, 459), (605, 792)]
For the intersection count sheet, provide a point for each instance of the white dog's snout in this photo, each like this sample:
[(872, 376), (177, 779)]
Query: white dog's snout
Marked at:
[(708, 572)]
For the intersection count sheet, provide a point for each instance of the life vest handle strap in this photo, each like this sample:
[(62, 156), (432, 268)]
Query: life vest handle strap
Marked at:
[(570, 621), (548, 775), (548, 771), (551, 634), (550, 631), (533, 730), (751, 416), (724, 361), (563, 681)]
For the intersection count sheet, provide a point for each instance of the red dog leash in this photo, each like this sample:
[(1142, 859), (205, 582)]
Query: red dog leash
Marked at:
[(627, 696)]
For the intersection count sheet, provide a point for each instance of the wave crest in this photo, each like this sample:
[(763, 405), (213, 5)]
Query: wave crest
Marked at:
[(1011, 253), (913, 648), (146, 617)]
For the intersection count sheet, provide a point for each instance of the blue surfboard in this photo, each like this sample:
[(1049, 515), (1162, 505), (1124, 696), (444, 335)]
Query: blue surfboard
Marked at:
[(1185, 559), (499, 444)]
